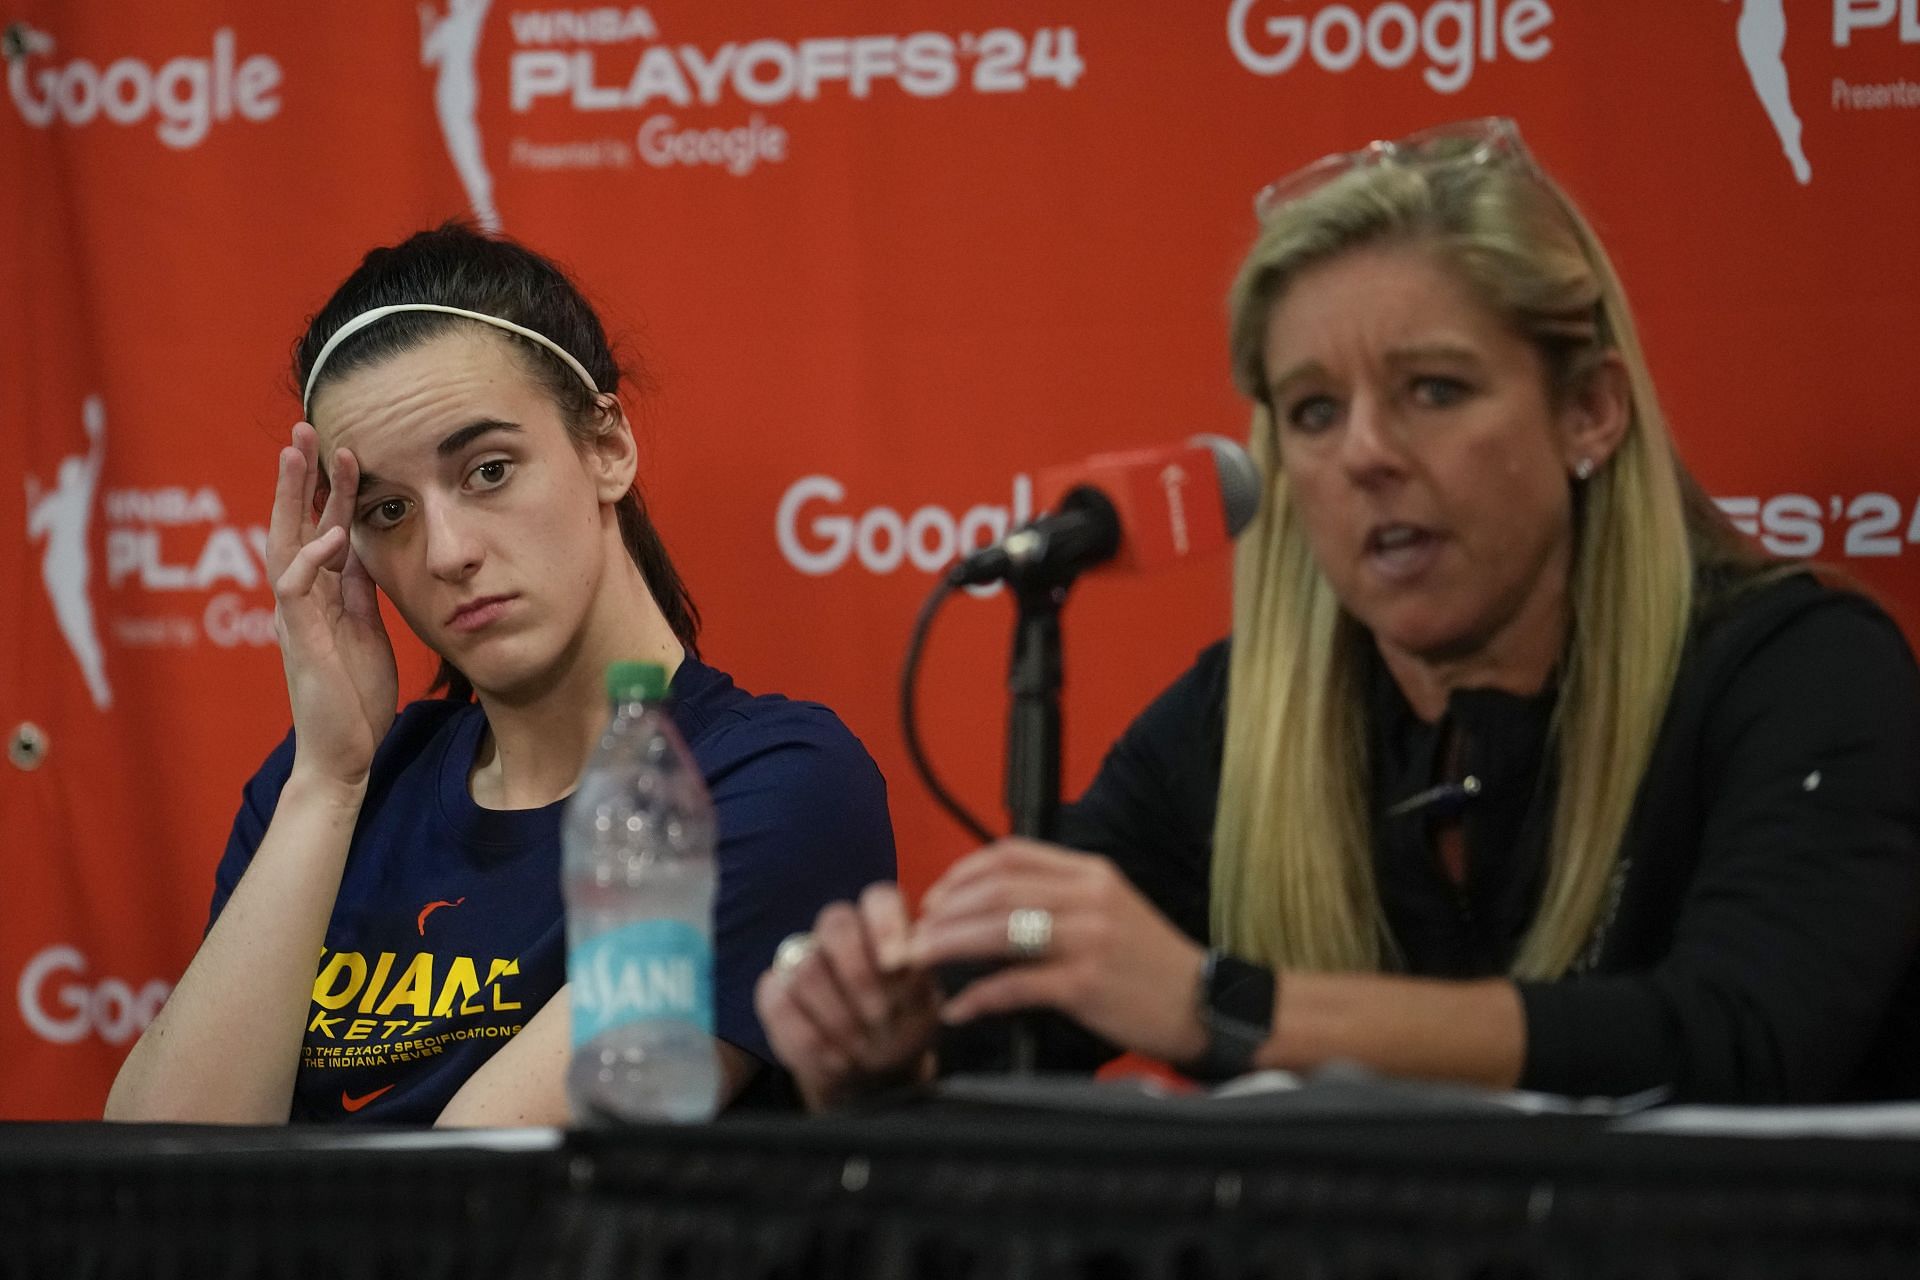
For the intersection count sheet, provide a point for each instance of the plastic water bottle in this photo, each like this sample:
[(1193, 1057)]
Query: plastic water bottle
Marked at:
[(638, 878)]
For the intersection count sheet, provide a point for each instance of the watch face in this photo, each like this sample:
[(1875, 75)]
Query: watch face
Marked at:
[(1238, 1011), (1241, 993)]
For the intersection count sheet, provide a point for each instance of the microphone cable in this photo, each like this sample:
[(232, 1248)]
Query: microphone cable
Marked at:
[(909, 722)]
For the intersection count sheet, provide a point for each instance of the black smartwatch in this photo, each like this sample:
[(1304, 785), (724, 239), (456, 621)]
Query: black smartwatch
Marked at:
[(1236, 1007)]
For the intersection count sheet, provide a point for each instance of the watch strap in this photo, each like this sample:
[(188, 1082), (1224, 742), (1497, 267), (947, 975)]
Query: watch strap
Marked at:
[(1236, 1003)]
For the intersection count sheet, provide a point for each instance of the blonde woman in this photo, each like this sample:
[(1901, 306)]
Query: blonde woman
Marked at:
[(1521, 768)]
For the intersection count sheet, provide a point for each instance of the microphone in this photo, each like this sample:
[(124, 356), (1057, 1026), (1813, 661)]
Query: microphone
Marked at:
[(1140, 509), (1447, 800)]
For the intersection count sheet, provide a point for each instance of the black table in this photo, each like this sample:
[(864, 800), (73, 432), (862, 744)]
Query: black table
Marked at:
[(952, 1189)]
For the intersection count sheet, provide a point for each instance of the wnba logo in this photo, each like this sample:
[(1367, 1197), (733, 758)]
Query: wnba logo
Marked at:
[(1451, 34), (190, 95)]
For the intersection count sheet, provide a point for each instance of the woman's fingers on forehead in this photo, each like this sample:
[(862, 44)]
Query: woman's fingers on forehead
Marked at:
[(290, 474), (344, 469), (283, 521), (308, 443), (343, 483)]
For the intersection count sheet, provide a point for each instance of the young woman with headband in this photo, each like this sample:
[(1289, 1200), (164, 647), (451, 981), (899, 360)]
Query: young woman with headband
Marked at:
[(465, 452)]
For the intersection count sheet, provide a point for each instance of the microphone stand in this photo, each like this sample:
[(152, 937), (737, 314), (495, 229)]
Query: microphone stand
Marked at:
[(1033, 718), (1038, 563), (1033, 741)]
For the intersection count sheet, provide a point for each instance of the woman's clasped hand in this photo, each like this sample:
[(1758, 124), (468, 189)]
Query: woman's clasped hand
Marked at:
[(861, 1005)]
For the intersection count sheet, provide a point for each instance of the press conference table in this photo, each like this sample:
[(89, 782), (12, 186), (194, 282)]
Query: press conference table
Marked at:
[(959, 1187)]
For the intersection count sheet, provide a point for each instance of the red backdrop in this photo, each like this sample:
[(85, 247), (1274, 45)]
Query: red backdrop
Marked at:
[(881, 262)]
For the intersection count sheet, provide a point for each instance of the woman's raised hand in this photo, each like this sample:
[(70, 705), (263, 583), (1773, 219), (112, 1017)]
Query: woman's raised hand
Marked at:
[(341, 677), (841, 1007)]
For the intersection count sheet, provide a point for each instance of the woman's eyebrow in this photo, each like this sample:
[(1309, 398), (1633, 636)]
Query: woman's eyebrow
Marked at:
[(452, 445), (467, 435), (1458, 352), (1300, 372)]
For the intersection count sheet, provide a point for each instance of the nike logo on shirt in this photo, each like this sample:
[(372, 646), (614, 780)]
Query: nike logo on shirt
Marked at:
[(432, 907)]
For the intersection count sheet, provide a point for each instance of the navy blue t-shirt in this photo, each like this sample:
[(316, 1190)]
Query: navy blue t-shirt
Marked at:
[(448, 934)]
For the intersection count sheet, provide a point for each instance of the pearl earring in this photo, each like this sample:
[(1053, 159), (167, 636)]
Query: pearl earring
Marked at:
[(1583, 468)]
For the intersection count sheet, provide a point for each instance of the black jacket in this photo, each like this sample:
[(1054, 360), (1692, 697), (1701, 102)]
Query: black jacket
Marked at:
[(1763, 925)]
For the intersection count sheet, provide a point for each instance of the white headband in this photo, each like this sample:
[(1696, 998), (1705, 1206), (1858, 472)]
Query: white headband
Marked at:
[(366, 318)]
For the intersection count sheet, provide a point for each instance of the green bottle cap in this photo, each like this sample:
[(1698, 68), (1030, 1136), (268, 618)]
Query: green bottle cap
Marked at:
[(636, 682)]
